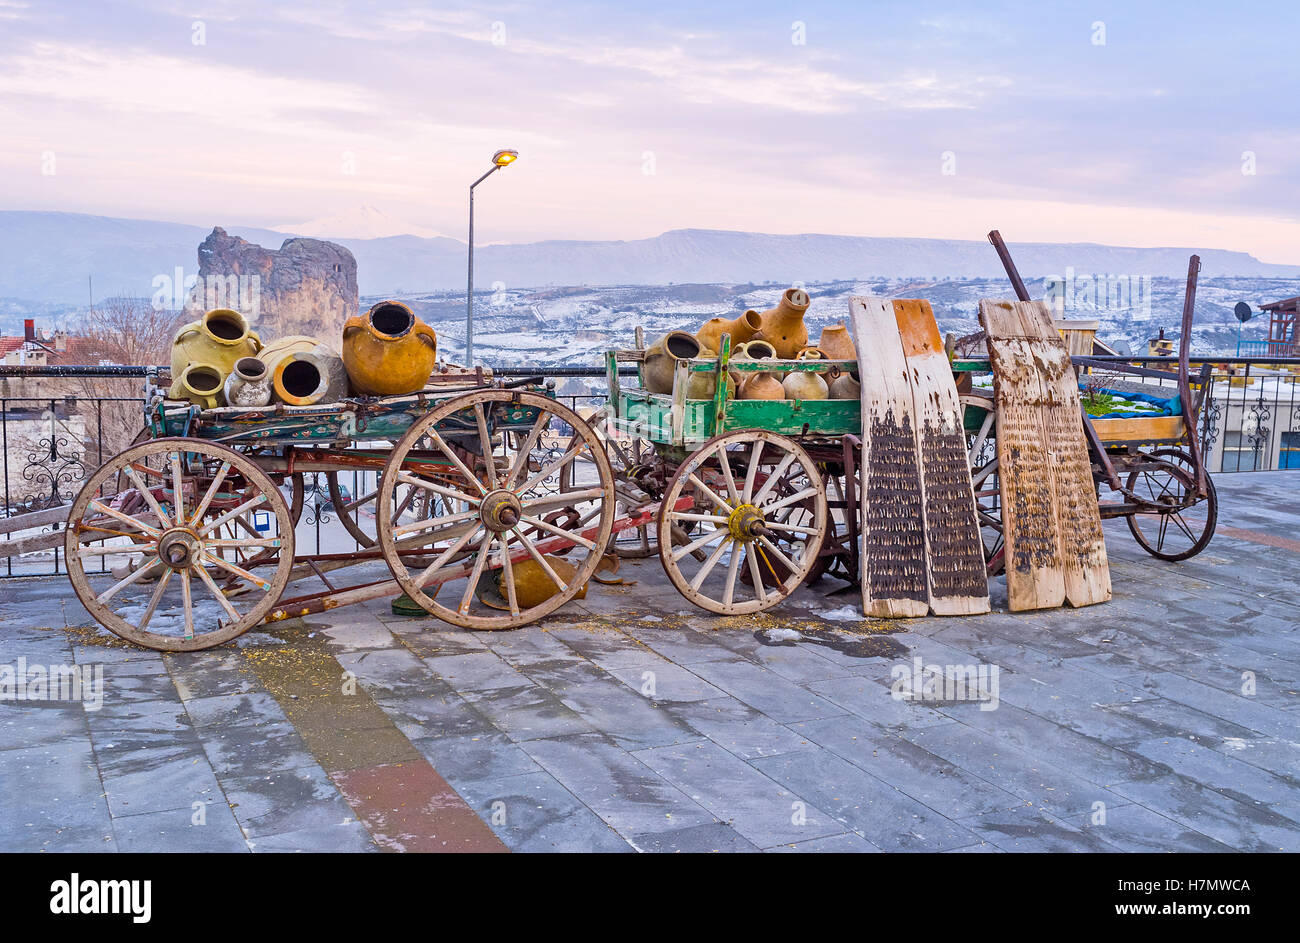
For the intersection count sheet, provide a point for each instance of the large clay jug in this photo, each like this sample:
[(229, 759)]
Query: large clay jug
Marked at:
[(304, 372), (804, 384), (845, 386), (783, 325), (741, 329), (836, 344), (216, 340), (661, 357), (388, 350)]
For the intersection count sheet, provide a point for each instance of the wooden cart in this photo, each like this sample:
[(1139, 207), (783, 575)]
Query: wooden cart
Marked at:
[(185, 540), (1149, 470), (756, 496)]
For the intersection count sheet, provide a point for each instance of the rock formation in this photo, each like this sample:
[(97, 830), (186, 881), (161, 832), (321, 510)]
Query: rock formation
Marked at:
[(307, 286)]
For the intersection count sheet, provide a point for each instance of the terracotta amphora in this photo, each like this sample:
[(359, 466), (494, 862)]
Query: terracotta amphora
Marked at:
[(836, 343), (783, 326), (741, 329), (660, 362), (388, 350)]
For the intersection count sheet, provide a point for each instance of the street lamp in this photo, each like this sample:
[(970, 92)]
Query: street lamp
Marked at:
[(502, 158)]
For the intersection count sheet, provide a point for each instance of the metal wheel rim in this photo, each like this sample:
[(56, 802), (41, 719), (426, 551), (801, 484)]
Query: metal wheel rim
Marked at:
[(1197, 537)]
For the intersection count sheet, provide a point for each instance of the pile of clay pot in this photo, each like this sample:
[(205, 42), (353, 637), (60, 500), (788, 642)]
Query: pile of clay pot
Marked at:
[(776, 334), (219, 361)]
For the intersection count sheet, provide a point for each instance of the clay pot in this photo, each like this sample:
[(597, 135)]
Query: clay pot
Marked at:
[(216, 340), (661, 358), (803, 384), (303, 371), (249, 383), (741, 329), (845, 386), (199, 383), (783, 326), (703, 385), (533, 586), (836, 344), (758, 385), (388, 350)]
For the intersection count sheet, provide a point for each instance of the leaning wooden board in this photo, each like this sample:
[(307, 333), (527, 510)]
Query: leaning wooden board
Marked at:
[(956, 575), (1055, 549), (893, 536)]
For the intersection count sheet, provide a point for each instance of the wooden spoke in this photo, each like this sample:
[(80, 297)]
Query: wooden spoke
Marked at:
[(508, 574), (408, 479), (211, 493), (456, 460), (558, 531), (776, 552), (541, 561), (236, 571), (135, 576), (562, 498), (790, 499), (188, 601), (427, 573), (234, 513), (691, 516), (709, 492), (550, 469), (149, 499), (752, 471), (756, 575), (680, 553), (773, 478), (117, 515), (485, 441), (725, 464), (155, 598), (710, 563), (216, 593), (178, 490), (729, 594), (792, 528), (440, 522), (472, 583), (521, 460)]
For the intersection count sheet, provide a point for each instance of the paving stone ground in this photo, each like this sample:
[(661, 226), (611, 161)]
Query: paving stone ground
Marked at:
[(1165, 720)]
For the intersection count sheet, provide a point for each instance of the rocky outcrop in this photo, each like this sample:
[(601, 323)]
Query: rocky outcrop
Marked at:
[(307, 286)]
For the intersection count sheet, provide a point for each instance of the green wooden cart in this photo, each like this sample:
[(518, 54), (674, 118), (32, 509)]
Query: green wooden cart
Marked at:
[(756, 496)]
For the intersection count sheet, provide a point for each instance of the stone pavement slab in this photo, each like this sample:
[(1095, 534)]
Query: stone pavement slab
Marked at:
[(1165, 720)]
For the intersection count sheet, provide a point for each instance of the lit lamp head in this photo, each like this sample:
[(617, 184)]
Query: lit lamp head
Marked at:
[(505, 158)]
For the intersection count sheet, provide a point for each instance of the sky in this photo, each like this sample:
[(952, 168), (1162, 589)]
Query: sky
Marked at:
[(1129, 123)]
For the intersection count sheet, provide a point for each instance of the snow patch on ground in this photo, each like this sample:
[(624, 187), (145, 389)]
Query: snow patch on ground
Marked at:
[(842, 614)]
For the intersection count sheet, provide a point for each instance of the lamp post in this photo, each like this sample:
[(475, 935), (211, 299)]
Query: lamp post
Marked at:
[(500, 159)]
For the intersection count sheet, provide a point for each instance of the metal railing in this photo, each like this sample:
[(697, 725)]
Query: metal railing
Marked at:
[(1249, 421)]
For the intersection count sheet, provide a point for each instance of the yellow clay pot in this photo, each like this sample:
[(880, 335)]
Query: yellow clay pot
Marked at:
[(783, 326), (216, 340), (199, 383), (741, 329), (388, 350)]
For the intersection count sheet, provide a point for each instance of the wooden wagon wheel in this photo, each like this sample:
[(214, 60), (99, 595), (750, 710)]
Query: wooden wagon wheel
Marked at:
[(1182, 526), (631, 458), (185, 521), (745, 485), (491, 542)]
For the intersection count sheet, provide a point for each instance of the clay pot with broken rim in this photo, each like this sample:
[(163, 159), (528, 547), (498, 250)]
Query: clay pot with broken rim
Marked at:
[(388, 351)]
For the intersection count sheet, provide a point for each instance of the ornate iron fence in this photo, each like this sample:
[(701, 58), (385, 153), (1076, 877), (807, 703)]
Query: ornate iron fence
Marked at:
[(1249, 421)]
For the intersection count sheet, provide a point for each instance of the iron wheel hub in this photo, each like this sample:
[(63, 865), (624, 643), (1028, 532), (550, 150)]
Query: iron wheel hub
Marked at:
[(500, 511)]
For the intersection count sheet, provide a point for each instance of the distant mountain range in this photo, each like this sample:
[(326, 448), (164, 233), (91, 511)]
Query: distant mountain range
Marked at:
[(53, 258)]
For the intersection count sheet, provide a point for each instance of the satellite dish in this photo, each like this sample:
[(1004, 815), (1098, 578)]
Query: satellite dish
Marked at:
[(1242, 311)]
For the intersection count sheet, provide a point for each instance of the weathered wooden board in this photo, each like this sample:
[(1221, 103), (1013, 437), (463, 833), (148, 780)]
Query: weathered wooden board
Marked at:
[(893, 537), (1083, 546), (1055, 548), (1031, 531), (958, 580)]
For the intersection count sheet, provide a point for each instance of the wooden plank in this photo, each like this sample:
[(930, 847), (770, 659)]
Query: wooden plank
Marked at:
[(1035, 570), (893, 538), (1140, 429), (1083, 545), (958, 580), (55, 515)]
